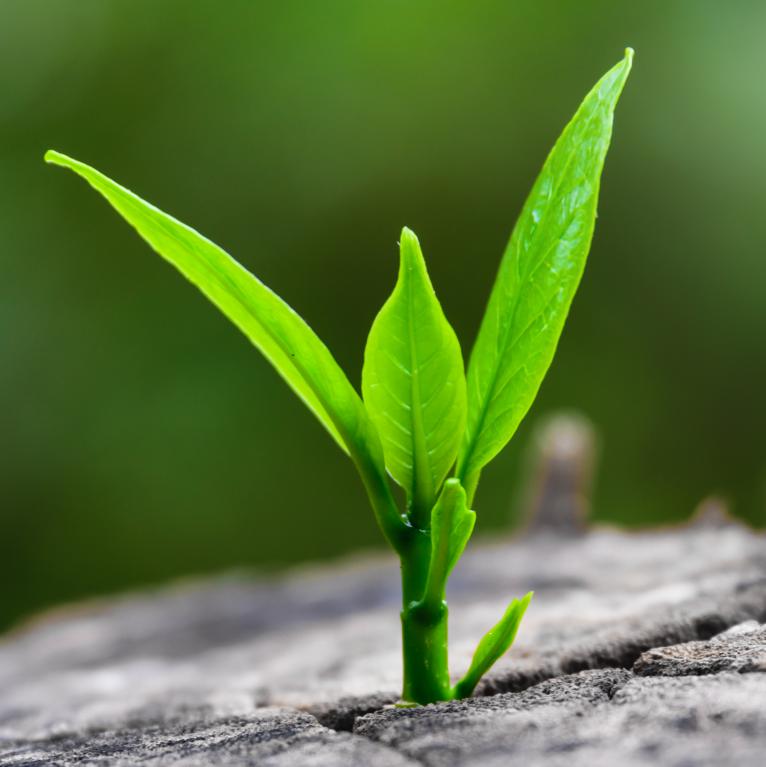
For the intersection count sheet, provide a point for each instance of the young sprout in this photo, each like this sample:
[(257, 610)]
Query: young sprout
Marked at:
[(423, 422)]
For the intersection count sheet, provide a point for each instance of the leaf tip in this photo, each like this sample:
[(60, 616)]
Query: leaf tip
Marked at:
[(453, 489), (408, 237), (52, 157), (410, 254), (624, 67)]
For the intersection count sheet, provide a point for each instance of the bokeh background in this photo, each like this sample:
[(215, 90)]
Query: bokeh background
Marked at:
[(142, 438)]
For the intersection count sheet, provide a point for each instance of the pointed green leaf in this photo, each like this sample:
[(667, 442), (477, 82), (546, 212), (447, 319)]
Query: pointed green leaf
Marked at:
[(413, 382), (493, 645), (537, 280), (451, 526), (283, 337)]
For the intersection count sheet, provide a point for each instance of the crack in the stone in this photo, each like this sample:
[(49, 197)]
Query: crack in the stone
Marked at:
[(342, 716), (700, 626)]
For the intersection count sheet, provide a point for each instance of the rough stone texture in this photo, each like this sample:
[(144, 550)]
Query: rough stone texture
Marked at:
[(341, 714), (192, 736), (592, 718), (742, 648), (247, 671)]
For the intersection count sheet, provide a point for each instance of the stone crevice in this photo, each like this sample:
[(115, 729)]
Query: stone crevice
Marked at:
[(701, 707)]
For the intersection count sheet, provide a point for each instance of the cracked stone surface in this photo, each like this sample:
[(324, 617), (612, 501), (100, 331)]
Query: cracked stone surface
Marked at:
[(244, 670), (742, 648), (600, 717), (188, 736)]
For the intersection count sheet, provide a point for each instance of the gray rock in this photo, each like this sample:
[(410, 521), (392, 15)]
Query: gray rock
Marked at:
[(244, 670), (742, 648), (592, 718), (581, 691), (196, 736), (341, 714)]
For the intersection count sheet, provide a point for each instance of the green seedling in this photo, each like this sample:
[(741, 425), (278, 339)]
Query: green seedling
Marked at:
[(422, 422)]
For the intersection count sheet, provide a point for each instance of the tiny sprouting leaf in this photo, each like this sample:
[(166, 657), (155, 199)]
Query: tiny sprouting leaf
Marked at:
[(494, 644), (413, 382), (537, 280), (452, 523)]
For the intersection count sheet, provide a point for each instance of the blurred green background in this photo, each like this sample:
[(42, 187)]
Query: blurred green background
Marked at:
[(142, 438)]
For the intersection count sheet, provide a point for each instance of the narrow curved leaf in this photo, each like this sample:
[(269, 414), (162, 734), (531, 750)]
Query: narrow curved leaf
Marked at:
[(279, 332), (283, 337), (452, 523), (493, 645), (537, 280), (413, 382)]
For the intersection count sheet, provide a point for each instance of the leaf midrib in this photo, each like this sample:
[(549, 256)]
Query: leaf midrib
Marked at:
[(422, 482)]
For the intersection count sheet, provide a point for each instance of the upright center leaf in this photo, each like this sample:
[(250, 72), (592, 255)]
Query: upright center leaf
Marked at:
[(413, 384)]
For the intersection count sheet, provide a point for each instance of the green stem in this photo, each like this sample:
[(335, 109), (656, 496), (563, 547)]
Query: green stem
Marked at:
[(392, 523), (424, 630)]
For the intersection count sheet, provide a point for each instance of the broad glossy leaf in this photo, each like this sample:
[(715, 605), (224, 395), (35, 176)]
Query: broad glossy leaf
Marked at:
[(537, 280), (283, 337), (451, 526), (493, 645), (413, 382)]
